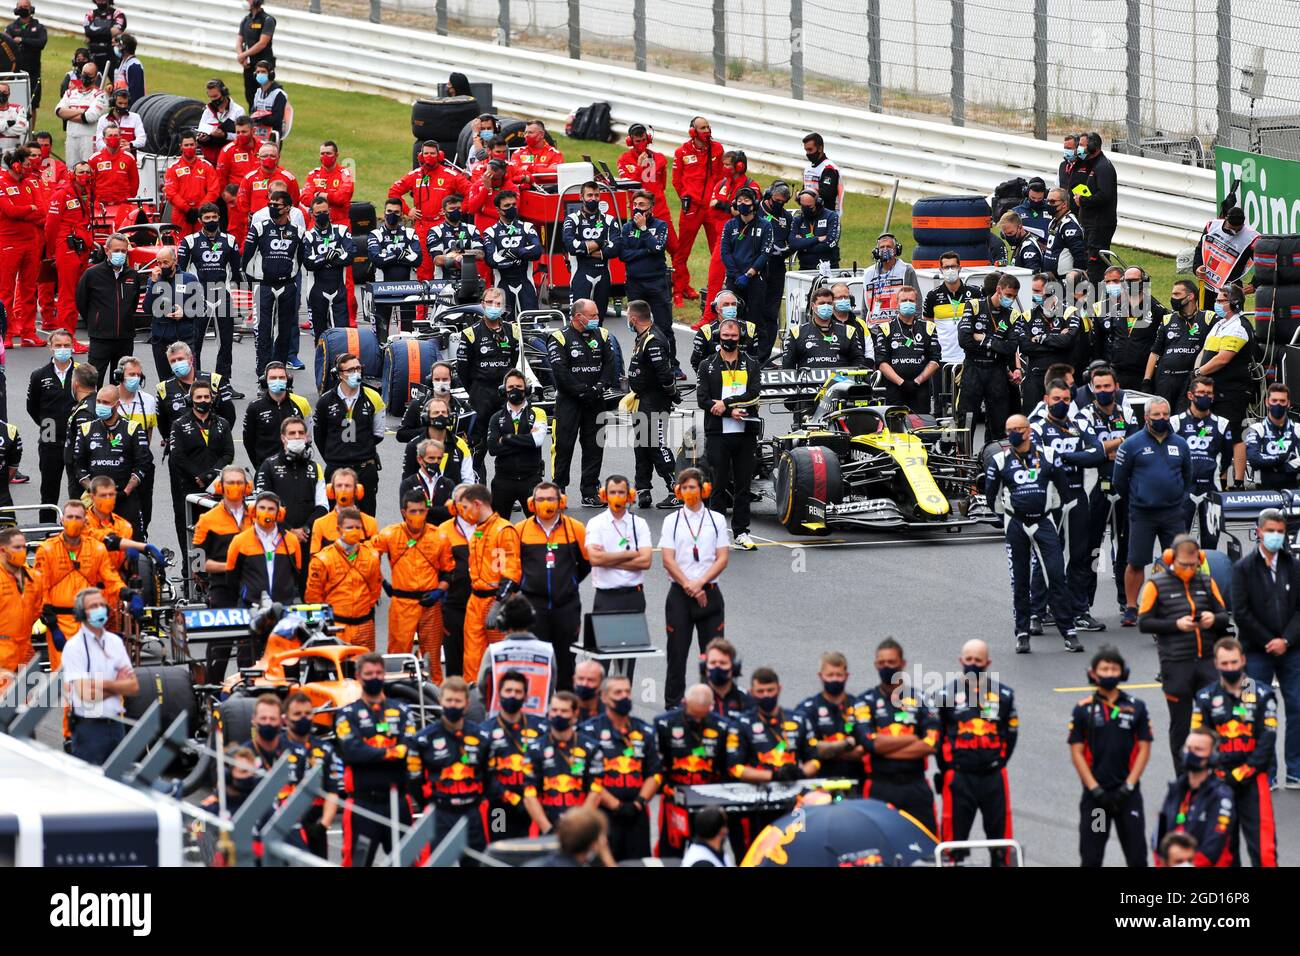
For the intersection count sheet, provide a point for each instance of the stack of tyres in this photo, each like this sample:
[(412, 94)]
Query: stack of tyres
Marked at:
[(164, 118), (362, 343), (1277, 294), (408, 360), (957, 224), (442, 120)]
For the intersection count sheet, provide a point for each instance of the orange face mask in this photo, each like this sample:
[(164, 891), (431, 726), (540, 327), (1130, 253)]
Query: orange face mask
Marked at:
[(267, 519), (345, 498), (72, 526), (353, 536), (416, 522), (17, 557), (233, 492), (616, 500), (106, 504), (467, 512), (547, 509), (692, 498)]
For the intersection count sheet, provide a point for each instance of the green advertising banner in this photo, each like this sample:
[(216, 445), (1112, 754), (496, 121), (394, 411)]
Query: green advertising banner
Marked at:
[(1269, 189)]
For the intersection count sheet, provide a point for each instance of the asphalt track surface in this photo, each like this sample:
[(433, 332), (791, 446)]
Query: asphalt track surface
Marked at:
[(794, 598)]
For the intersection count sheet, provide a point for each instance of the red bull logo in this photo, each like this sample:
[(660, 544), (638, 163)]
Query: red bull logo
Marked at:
[(457, 771), (622, 764), (561, 783)]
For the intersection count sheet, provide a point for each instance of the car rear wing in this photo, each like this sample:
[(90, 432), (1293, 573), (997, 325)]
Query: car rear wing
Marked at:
[(1235, 513), (783, 384)]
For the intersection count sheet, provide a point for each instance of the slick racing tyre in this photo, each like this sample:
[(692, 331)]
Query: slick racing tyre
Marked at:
[(951, 221), (804, 474)]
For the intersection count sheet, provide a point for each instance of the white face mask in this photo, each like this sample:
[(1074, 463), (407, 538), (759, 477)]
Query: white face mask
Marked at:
[(295, 446), (951, 275), (441, 387)]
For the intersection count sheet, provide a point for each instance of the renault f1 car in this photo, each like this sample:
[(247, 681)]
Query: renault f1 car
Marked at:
[(856, 462)]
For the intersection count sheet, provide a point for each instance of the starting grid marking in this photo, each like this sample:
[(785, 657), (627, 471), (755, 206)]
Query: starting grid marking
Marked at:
[(1092, 687), (794, 544)]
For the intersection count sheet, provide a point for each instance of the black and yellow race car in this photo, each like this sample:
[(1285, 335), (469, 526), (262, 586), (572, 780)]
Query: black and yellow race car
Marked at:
[(852, 461)]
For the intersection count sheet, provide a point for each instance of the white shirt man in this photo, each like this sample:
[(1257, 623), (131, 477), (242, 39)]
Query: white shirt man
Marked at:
[(97, 673), (14, 124), (80, 143), (134, 137), (626, 532)]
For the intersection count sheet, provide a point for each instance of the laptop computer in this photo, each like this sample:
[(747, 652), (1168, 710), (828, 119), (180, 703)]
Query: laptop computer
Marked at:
[(617, 632)]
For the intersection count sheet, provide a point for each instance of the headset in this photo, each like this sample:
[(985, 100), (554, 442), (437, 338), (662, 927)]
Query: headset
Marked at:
[(118, 373), (1236, 298), (898, 246), (641, 129), (740, 306), (220, 84), (690, 127), (1123, 675), (511, 373), (272, 496), (776, 184), (329, 491), (706, 489), (261, 379), (735, 669), (604, 495), (219, 486), (745, 191), (79, 606), (200, 378), (532, 506), (741, 163), (817, 198)]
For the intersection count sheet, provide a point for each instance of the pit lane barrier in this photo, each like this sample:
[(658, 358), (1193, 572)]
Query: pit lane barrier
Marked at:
[(1163, 206)]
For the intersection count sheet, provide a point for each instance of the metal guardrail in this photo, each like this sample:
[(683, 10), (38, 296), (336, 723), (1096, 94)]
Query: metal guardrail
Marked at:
[(1162, 206)]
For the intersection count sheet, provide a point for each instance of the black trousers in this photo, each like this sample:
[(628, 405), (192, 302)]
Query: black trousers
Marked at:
[(1032, 388), (964, 795), (629, 837), (591, 281), (444, 818), (754, 294), (486, 400), (328, 306), (250, 85), (658, 294), (985, 387), (106, 353), (577, 421), (916, 397), (1098, 235), (277, 320), (767, 322), (1172, 386), (683, 616), (356, 827), (509, 490), (731, 468), (1095, 823), (507, 822), (367, 476), (94, 740), (910, 794), (384, 319), (651, 451), (559, 627), (181, 486), (1040, 541), (52, 471), (1072, 524), (145, 496), (453, 641), (1180, 680)]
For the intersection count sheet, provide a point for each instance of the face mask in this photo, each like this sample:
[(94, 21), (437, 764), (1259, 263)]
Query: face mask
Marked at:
[(1273, 540), (730, 311), (327, 162), (300, 726), (441, 422), (87, 80), (691, 498), (131, 383), (510, 214), (17, 557), (1203, 403), (415, 522), (487, 135), (951, 275), (729, 345), (452, 216), (83, 180), (561, 723), (1067, 154), (1059, 409), (189, 152), (886, 253), (546, 510), (1231, 676), (1277, 411), (591, 325), (267, 520), (72, 526), (887, 675), (23, 12), (1037, 298), (62, 355), (1006, 302), (268, 732), (809, 212), (975, 669), (467, 513), (322, 220), (242, 786), (211, 225), (102, 412), (372, 686), (167, 272), (106, 505), (441, 387), (181, 369), (233, 492), (647, 214), (1104, 398), (825, 310), (277, 386), (112, 142), (202, 408), (584, 692), (718, 676), (1176, 304), (1081, 152), (591, 205), (622, 707), (907, 308), (745, 208), (1219, 310), (97, 616), (833, 688), (843, 305), (1195, 762), (353, 536), (345, 498), (1016, 437), (263, 79), (494, 312), (453, 715), (353, 379), (1113, 289), (45, 150), (1108, 683), (1159, 426), (766, 704), (297, 447), (391, 219), (515, 396), (117, 259)]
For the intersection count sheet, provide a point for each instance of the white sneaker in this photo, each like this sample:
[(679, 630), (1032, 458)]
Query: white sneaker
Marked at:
[(744, 542)]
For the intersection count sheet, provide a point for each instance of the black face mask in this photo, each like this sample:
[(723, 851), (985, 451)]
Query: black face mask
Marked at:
[(584, 692), (211, 225), (510, 214), (511, 705), (322, 220), (430, 468), (1195, 762), (645, 214), (390, 218), (202, 408), (515, 396), (744, 209), (591, 205), (301, 726), (168, 273), (4, 97), (452, 215), (622, 707), (719, 676), (767, 704), (268, 732), (278, 211), (453, 715), (440, 421), (373, 686), (1108, 683), (833, 688), (1231, 676), (561, 723), (729, 345), (23, 12), (1104, 399)]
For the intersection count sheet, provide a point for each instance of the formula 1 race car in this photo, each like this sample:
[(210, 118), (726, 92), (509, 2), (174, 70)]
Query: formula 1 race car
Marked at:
[(856, 462)]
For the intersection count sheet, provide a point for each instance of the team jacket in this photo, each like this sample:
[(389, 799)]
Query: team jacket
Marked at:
[(172, 395), (188, 184), (118, 451), (978, 725), (326, 254), (213, 533), (69, 214), (830, 722), (781, 221), (451, 471), (552, 565), (1124, 339), (1179, 340), (394, 252), (724, 193), (581, 361), (642, 250), (1209, 442), (83, 413), (21, 212), (815, 240), (107, 300), (513, 442), (1117, 422), (734, 384), (1151, 473), (650, 371), (1274, 452), (272, 253), (946, 308), (1065, 248), (508, 769), (769, 742), (1036, 217), (581, 227), (908, 347), (1110, 734), (458, 589), (509, 248), (427, 189), (1246, 724), (839, 346), (824, 178), (417, 563), (255, 188), (21, 598), (485, 355), (246, 565), (696, 167), (448, 236), (163, 297), (1045, 340), (199, 450), (628, 759), (1208, 814), (745, 246), (1166, 597), (455, 765), (1022, 486), (300, 483), (1233, 334), (49, 400), (900, 713), (117, 177), (998, 328), (1028, 254), (564, 773), (262, 420), (109, 530), (493, 557), (653, 176), (336, 184), (378, 748), (65, 570), (345, 435), (237, 160), (705, 342), (691, 753), (325, 530), (481, 200), (527, 160), (1076, 450), (349, 583), (215, 260)]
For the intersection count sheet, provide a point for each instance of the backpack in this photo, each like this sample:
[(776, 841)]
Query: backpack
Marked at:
[(591, 122), (1008, 196)]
